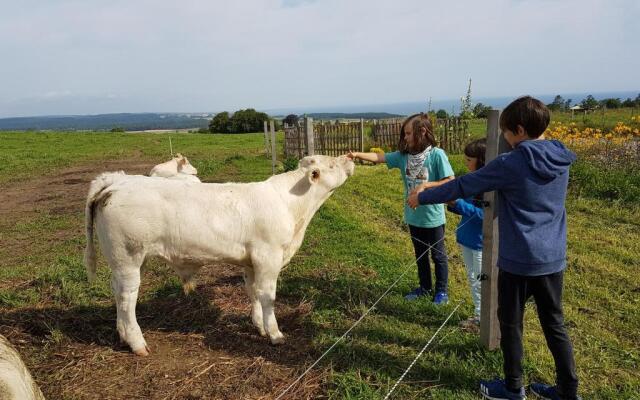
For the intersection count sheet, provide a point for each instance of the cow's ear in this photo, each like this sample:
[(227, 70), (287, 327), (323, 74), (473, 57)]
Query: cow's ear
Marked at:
[(178, 155), (182, 161), (314, 175)]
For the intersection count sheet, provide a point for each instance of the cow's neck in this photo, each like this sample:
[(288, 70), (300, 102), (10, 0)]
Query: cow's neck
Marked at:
[(302, 198)]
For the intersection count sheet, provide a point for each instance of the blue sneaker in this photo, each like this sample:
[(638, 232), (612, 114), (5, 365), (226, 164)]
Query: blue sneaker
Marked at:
[(441, 298), (497, 390), (417, 292), (547, 392)]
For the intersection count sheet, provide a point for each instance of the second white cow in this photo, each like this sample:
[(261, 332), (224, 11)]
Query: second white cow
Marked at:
[(178, 166), (259, 226)]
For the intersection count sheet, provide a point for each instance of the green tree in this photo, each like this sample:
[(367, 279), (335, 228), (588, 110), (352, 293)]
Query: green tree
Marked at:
[(441, 114), (567, 104), (589, 103), (611, 103), (248, 120), (291, 119), (220, 123), (558, 104), (481, 111)]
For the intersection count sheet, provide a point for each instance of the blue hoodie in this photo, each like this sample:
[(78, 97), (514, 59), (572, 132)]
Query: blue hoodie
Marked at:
[(469, 232), (531, 182)]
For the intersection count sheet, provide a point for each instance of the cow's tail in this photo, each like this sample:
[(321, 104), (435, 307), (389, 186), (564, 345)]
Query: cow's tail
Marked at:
[(97, 191)]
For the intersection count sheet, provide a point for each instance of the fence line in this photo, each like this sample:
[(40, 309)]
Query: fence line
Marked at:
[(334, 139)]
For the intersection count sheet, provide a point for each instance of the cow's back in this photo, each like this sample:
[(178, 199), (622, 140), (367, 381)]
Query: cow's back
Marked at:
[(210, 222)]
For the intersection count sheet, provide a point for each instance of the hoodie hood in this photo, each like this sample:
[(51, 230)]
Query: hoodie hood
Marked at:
[(548, 158)]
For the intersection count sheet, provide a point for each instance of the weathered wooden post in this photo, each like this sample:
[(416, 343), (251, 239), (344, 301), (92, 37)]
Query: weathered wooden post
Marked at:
[(308, 130), (273, 147), (361, 135), (489, 325), (266, 139)]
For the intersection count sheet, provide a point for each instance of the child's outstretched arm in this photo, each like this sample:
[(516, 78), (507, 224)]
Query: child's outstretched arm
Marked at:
[(377, 158), (463, 207), (493, 176)]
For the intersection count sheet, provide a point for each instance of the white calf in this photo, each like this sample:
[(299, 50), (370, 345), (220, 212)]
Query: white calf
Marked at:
[(259, 226), (177, 165), (15, 380)]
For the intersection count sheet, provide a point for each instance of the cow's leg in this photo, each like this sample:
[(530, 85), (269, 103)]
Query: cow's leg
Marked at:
[(266, 267), (125, 283), (256, 307)]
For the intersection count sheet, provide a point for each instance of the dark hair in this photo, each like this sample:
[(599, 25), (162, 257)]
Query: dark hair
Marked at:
[(477, 149), (527, 112), (418, 121)]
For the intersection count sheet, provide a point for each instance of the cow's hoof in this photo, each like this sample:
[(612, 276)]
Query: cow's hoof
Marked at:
[(277, 338), (143, 351)]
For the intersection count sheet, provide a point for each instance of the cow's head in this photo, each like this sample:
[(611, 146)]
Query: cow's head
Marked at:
[(327, 172), (184, 166)]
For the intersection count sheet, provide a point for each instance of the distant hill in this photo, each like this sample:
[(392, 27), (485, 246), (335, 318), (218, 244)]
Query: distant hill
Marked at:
[(143, 121), (128, 121)]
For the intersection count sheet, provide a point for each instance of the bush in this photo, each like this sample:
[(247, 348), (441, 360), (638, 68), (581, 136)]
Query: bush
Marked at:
[(242, 121), (442, 114), (117, 129), (290, 164)]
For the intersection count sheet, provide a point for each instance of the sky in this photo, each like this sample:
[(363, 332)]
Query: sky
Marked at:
[(91, 57)]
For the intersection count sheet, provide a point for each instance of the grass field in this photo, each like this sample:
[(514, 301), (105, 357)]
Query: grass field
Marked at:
[(355, 247)]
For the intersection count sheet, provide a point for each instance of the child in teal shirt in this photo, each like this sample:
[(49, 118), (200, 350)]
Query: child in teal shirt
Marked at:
[(422, 165)]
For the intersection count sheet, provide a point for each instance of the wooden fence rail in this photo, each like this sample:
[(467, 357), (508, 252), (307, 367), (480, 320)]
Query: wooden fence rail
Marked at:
[(335, 139)]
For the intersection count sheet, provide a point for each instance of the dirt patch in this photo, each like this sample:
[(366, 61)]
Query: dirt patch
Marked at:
[(204, 345), (67, 187)]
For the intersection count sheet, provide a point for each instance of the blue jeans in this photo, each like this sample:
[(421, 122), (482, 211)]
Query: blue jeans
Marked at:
[(473, 265), (422, 239)]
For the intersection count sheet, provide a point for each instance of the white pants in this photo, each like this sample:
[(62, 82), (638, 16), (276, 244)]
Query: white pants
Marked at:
[(473, 265)]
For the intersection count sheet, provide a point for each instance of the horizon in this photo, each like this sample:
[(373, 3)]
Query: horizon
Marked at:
[(369, 108), (88, 58)]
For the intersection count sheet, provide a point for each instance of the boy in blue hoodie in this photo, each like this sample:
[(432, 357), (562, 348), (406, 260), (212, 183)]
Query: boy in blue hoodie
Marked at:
[(531, 182)]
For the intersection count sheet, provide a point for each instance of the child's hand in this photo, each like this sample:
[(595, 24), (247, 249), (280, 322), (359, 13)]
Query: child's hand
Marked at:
[(352, 155), (451, 203), (412, 201)]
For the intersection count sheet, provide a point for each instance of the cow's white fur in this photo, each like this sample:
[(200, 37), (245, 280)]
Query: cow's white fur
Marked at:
[(15, 380), (177, 165), (259, 226)]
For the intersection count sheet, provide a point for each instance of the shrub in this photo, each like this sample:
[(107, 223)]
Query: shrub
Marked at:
[(290, 164)]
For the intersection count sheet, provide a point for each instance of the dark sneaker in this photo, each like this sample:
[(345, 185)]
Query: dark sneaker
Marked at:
[(441, 298), (417, 292), (497, 390), (547, 392)]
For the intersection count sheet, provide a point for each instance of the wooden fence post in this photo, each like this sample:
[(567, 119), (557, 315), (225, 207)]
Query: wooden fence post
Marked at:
[(308, 129), (489, 325), (273, 147), (266, 138), (361, 134)]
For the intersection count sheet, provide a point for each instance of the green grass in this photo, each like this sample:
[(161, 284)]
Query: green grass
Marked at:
[(355, 247), (602, 119)]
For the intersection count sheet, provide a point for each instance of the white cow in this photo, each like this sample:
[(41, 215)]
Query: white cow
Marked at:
[(15, 380), (258, 225), (174, 167)]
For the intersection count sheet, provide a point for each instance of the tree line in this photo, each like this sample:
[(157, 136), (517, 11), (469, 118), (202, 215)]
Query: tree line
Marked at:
[(241, 121), (590, 103)]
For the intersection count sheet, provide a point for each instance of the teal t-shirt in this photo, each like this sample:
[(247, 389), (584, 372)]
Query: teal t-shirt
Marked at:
[(438, 167)]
